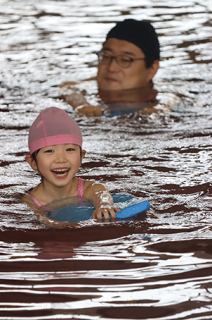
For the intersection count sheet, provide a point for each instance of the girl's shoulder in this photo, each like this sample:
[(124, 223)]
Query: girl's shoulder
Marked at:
[(92, 184), (87, 185), (92, 187), (27, 199)]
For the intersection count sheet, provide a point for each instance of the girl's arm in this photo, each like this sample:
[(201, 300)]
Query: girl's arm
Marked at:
[(102, 200), (41, 215)]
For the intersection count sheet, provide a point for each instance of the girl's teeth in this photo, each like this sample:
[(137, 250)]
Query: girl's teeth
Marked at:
[(60, 172)]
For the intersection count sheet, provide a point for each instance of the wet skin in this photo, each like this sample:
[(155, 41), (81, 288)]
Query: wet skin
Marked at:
[(58, 166), (114, 77)]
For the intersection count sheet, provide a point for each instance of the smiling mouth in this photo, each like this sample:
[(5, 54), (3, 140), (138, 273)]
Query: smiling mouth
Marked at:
[(60, 172)]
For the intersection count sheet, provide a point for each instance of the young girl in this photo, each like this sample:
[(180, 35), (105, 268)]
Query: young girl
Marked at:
[(55, 145)]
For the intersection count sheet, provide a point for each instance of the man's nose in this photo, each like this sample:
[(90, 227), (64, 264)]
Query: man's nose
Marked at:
[(113, 66)]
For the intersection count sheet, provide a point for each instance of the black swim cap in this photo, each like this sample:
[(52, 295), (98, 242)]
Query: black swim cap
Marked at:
[(140, 33)]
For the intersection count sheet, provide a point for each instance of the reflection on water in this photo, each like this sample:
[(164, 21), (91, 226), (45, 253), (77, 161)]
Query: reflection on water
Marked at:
[(159, 268)]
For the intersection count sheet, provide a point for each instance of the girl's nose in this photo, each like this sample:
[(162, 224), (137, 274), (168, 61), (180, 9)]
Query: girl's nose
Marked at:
[(60, 157)]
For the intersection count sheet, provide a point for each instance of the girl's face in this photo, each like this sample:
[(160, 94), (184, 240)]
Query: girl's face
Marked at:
[(58, 164)]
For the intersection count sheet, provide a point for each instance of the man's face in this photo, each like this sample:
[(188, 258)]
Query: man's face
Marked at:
[(114, 77)]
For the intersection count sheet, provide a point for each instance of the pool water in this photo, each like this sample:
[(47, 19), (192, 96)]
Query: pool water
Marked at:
[(157, 268)]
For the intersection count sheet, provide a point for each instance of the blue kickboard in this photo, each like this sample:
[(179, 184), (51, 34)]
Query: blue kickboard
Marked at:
[(130, 206)]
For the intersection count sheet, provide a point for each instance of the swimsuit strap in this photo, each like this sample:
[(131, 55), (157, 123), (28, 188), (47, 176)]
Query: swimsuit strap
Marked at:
[(40, 205), (80, 188), (36, 201)]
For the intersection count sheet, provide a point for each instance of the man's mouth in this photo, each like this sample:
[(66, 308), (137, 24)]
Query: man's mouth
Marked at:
[(110, 79)]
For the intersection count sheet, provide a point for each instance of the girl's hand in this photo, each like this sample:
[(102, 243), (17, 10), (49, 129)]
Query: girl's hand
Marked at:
[(106, 211)]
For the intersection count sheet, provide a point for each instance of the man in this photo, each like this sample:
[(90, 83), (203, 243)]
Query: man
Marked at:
[(129, 57), (128, 61)]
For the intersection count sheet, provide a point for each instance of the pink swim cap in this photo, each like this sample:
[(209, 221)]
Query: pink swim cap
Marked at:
[(53, 126)]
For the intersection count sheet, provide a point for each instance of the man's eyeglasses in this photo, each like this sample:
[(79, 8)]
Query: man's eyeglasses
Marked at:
[(122, 60)]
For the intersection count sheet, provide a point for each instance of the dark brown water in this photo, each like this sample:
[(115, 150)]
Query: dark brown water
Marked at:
[(158, 268)]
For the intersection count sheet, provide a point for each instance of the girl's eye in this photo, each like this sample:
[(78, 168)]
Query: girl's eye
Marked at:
[(70, 149), (48, 151)]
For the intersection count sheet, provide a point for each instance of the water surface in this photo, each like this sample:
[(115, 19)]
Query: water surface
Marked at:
[(158, 268)]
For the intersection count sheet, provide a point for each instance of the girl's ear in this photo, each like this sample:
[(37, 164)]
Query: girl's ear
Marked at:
[(83, 153), (31, 162)]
